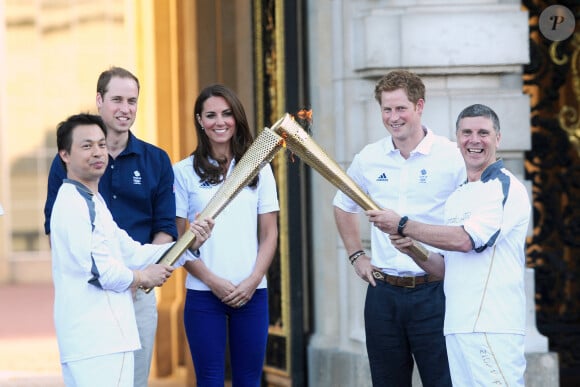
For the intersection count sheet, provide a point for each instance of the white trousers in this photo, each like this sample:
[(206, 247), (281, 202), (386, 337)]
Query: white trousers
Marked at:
[(114, 370), (146, 316), (486, 359)]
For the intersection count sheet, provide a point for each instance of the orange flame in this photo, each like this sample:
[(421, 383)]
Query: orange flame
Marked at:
[(282, 141), (305, 115), (284, 137), (304, 118)]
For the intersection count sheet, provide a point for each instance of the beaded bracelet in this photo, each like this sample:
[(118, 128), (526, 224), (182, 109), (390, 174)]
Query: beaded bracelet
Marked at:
[(354, 256)]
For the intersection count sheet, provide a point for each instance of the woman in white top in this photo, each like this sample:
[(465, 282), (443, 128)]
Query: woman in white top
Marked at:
[(227, 299)]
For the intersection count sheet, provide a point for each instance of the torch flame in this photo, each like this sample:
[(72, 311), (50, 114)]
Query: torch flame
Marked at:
[(305, 115)]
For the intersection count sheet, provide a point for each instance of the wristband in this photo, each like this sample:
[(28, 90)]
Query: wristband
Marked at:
[(402, 224), (354, 256)]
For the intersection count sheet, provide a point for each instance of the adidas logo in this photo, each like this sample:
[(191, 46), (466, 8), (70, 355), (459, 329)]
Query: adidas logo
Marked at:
[(383, 177), (205, 184)]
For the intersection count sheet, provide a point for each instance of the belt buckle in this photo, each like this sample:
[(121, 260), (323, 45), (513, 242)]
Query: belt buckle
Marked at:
[(413, 285), (378, 275)]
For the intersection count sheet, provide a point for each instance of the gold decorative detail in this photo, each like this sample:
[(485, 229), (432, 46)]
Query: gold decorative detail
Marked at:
[(270, 98), (554, 54), (568, 115)]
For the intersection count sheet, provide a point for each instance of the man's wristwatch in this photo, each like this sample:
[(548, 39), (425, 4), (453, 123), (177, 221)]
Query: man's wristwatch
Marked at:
[(402, 224)]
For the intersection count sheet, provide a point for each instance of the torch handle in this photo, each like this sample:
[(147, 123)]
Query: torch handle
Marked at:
[(417, 248), (366, 203), (420, 251), (172, 254)]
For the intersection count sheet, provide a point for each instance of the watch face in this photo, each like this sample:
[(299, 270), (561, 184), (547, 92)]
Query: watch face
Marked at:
[(402, 224)]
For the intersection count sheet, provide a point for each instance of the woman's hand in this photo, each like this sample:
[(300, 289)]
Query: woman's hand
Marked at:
[(221, 287), (202, 230), (242, 293)]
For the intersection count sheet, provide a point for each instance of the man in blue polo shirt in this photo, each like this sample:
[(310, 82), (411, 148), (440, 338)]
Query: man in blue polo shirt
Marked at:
[(138, 190)]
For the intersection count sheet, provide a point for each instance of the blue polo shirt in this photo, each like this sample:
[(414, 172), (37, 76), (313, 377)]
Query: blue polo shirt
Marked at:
[(137, 187)]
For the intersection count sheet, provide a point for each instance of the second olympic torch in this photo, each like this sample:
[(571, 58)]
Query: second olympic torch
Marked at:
[(300, 143), (260, 153)]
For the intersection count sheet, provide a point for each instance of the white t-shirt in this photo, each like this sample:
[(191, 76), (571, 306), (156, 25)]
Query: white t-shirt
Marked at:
[(92, 260), (416, 187), (485, 288), (231, 251)]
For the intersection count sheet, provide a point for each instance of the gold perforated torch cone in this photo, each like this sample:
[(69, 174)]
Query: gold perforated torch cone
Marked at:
[(260, 153), (300, 143)]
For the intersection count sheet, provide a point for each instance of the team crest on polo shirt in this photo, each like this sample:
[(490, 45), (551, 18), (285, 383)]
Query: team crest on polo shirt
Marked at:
[(423, 176), (137, 177)]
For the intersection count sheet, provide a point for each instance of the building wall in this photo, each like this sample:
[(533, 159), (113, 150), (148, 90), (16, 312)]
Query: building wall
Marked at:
[(5, 245), (51, 55)]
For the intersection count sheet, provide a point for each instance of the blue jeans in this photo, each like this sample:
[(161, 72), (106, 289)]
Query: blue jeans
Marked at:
[(207, 322), (402, 323)]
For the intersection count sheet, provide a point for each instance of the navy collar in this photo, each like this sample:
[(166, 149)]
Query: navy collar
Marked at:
[(491, 171), (80, 186), (134, 146)]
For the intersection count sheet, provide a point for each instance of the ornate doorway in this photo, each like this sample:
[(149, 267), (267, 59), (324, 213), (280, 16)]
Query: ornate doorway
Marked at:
[(281, 82), (552, 79)]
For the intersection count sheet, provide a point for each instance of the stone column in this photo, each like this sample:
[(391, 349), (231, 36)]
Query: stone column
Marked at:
[(542, 367)]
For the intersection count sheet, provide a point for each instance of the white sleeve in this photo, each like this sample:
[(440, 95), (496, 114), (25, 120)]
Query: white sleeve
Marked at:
[(341, 200), (268, 194)]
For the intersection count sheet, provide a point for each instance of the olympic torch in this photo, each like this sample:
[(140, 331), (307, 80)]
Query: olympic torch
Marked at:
[(300, 143), (260, 153)]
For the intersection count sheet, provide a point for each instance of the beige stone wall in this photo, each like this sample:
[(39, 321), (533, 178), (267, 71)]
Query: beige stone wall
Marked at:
[(52, 53), (4, 242)]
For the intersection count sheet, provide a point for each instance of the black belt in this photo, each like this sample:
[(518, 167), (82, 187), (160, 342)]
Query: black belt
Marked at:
[(405, 282)]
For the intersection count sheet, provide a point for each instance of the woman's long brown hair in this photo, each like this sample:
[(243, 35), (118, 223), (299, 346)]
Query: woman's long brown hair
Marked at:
[(240, 142)]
